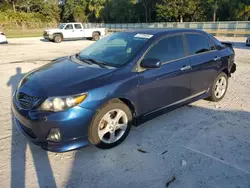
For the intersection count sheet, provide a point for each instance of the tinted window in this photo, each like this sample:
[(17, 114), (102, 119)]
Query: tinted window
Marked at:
[(198, 43), (78, 26), (167, 49), (69, 26)]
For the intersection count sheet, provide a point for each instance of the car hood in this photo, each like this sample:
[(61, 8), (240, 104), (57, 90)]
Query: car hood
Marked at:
[(64, 77), (53, 30)]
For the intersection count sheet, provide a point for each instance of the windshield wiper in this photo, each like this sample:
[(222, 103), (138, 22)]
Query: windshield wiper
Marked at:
[(99, 63), (92, 61)]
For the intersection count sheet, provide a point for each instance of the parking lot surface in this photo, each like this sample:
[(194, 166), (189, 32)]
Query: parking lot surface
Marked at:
[(203, 144)]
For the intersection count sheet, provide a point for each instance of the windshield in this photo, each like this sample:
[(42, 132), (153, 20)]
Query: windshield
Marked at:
[(115, 49), (61, 26)]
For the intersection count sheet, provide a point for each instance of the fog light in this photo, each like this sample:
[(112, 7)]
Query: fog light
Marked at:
[(54, 135)]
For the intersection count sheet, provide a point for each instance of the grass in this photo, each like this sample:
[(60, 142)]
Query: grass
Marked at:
[(24, 33)]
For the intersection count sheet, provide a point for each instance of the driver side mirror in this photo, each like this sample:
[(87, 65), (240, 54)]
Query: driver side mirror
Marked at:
[(151, 63)]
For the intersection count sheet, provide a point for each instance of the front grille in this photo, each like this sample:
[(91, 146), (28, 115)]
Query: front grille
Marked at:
[(26, 101)]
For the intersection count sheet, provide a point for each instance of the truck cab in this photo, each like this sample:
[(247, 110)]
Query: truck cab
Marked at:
[(73, 31)]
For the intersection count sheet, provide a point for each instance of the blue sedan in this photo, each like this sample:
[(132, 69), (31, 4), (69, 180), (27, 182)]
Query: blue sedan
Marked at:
[(95, 96)]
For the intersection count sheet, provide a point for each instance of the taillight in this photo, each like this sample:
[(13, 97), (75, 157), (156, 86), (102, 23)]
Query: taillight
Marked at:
[(2, 34)]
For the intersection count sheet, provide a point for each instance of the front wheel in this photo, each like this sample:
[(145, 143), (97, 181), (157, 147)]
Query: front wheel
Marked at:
[(58, 38), (219, 87), (111, 125)]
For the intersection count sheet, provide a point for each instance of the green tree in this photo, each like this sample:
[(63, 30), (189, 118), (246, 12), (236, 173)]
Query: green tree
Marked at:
[(95, 10), (241, 9), (74, 11), (178, 10), (120, 11)]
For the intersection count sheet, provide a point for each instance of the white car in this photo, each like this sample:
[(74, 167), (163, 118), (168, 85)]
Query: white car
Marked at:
[(3, 39), (248, 41), (73, 31)]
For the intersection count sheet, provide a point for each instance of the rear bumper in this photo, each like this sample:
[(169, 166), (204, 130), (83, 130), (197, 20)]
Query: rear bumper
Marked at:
[(72, 123)]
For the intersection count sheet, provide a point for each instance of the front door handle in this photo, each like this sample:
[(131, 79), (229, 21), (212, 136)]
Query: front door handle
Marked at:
[(217, 58), (185, 68)]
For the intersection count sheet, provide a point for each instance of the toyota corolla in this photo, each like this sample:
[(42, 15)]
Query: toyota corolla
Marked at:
[(95, 96)]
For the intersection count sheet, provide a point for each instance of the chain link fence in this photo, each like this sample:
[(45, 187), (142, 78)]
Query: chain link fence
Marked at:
[(231, 28)]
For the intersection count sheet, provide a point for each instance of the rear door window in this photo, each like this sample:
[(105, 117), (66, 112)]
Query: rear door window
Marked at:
[(78, 26), (168, 49), (198, 43)]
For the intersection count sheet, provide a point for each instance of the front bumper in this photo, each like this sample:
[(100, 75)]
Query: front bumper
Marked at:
[(48, 37), (5, 42), (72, 123)]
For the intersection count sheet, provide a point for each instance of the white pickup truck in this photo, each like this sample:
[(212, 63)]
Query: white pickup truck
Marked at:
[(73, 31)]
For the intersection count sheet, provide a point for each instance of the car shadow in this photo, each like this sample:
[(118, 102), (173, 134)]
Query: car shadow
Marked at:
[(44, 40), (19, 145), (110, 166)]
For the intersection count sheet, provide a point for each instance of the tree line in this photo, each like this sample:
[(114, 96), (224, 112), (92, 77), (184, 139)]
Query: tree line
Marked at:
[(123, 11)]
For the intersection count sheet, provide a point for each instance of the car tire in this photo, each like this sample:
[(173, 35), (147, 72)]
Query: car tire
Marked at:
[(219, 87), (96, 36), (57, 38), (111, 125)]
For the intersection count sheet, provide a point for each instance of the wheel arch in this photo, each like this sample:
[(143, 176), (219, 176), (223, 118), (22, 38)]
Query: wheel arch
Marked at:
[(128, 103), (58, 34), (96, 32), (226, 71)]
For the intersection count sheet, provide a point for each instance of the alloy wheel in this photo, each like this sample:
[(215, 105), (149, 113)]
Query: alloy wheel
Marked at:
[(112, 126), (220, 87)]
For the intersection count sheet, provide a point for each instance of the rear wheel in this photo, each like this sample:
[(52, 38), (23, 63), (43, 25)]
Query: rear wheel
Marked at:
[(111, 125), (58, 38), (96, 36), (219, 87)]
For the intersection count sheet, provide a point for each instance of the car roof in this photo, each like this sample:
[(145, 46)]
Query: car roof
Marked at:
[(163, 31)]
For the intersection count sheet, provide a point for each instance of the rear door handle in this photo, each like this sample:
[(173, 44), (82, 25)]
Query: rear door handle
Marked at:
[(217, 58), (185, 68)]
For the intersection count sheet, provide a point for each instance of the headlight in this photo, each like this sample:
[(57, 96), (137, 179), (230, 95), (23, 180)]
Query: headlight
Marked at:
[(57, 104)]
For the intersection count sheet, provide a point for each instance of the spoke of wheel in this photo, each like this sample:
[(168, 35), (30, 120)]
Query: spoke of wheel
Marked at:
[(118, 116), (103, 132), (122, 126), (107, 118), (112, 137)]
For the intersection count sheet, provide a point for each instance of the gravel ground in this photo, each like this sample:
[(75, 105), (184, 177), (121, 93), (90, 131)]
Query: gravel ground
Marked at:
[(203, 144)]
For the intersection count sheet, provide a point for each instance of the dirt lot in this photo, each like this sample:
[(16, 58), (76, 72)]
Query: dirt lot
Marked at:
[(203, 144)]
